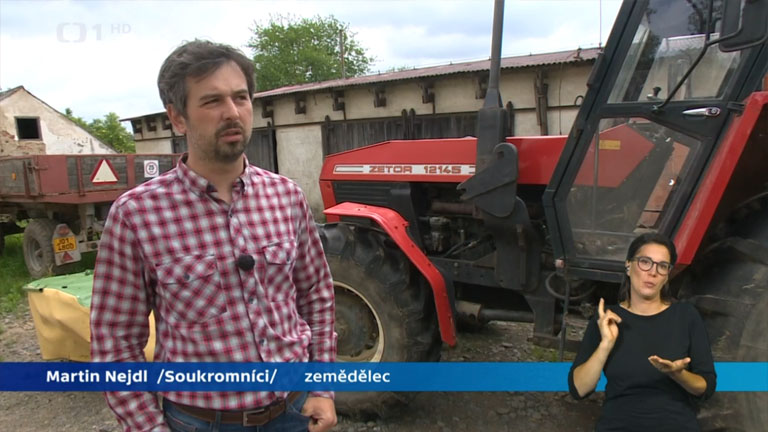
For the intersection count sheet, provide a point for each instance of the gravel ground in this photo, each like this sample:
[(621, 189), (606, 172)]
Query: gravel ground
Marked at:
[(428, 412)]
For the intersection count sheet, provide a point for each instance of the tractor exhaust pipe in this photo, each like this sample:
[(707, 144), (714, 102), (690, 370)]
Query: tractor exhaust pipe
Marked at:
[(492, 191), (492, 118), (494, 186), (494, 100)]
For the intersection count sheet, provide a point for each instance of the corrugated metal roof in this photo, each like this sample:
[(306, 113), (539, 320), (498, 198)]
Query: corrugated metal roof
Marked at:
[(142, 116), (678, 43), (572, 56)]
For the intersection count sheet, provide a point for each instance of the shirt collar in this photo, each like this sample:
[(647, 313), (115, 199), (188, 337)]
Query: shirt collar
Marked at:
[(199, 185)]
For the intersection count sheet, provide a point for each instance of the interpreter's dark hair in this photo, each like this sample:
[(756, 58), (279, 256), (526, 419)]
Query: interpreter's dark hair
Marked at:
[(637, 243), (197, 59)]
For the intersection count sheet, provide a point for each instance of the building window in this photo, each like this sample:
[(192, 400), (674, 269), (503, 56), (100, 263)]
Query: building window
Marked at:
[(28, 128), (152, 124), (166, 123), (136, 125)]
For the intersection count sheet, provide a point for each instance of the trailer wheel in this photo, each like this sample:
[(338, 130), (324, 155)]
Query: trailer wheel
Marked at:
[(383, 311), (38, 250), (731, 285)]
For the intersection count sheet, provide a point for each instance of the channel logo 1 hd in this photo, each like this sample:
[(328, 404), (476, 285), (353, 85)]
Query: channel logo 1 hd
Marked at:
[(77, 32)]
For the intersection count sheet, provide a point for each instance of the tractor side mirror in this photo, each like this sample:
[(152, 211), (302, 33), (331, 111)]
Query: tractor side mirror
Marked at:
[(743, 24)]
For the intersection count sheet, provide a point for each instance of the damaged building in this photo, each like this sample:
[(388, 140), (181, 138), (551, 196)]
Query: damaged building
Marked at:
[(29, 126)]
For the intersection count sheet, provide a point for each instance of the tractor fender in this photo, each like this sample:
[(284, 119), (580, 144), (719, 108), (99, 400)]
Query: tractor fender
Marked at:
[(394, 225)]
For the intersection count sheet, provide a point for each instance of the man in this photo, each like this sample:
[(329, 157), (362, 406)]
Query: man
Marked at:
[(226, 255)]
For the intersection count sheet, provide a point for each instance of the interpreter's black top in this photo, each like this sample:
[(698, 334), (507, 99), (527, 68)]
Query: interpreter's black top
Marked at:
[(638, 397)]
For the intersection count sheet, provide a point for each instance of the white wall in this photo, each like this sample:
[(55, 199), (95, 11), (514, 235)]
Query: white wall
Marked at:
[(159, 145), (453, 94), (300, 158), (299, 136)]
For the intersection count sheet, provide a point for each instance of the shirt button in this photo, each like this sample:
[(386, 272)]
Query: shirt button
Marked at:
[(262, 342), (252, 300)]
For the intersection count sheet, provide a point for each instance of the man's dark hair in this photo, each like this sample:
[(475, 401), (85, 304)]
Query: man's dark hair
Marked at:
[(197, 59), (637, 243)]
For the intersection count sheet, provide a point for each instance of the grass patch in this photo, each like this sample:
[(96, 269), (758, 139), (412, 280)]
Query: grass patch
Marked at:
[(14, 274), (550, 355), (544, 354)]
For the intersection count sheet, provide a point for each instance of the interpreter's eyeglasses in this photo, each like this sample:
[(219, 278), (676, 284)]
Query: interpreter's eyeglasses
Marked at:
[(646, 264)]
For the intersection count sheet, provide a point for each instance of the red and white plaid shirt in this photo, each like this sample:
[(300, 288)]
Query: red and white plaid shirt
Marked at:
[(171, 246)]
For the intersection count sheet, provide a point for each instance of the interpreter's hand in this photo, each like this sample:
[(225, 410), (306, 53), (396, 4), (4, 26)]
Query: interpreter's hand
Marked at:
[(322, 411), (669, 367), (608, 322)]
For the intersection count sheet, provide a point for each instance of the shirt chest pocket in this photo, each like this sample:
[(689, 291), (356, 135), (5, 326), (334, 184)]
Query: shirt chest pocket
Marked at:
[(279, 261), (189, 289), (282, 253)]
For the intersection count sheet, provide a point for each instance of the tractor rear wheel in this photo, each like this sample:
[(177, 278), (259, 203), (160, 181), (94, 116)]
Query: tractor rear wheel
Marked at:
[(731, 291), (384, 310)]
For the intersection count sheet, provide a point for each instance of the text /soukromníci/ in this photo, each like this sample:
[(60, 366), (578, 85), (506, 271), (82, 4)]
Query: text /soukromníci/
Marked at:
[(253, 376)]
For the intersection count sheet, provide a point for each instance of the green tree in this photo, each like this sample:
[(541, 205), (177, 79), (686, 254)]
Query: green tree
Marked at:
[(79, 120), (108, 130), (288, 51)]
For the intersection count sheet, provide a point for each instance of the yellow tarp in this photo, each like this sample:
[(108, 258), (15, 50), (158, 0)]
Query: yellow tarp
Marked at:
[(62, 322)]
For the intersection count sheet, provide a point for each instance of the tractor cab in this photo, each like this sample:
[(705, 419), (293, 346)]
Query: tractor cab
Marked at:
[(673, 77)]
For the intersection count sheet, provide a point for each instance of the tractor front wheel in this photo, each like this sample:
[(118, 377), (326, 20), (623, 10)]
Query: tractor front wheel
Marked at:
[(384, 310)]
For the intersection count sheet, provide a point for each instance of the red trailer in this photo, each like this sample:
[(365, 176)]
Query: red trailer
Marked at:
[(65, 199)]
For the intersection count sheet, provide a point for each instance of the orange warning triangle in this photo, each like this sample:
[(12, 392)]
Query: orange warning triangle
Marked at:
[(104, 173), (66, 257)]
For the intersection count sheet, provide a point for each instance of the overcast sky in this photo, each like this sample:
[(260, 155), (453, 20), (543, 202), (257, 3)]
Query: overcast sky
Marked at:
[(97, 57)]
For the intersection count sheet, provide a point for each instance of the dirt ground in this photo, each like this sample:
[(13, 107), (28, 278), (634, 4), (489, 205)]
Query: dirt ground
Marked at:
[(428, 412)]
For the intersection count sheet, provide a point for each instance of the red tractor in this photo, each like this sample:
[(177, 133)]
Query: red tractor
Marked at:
[(670, 137)]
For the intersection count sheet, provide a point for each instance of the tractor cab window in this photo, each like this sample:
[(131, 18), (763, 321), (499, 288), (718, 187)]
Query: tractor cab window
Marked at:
[(638, 162), (664, 48), (629, 176)]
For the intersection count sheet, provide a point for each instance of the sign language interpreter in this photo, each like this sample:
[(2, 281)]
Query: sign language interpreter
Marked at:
[(654, 351)]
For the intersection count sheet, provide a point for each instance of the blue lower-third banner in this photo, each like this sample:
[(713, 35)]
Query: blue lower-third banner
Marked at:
[(56, 376)]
